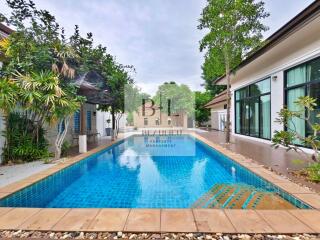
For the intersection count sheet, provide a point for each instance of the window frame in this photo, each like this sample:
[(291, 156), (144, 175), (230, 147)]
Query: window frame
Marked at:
[(248, 98), (305, 85), (76, 122)]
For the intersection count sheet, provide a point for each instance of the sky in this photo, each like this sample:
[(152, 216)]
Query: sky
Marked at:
[(158, 37)]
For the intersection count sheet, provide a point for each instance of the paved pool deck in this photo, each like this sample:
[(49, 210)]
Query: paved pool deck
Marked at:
[(166, 220)]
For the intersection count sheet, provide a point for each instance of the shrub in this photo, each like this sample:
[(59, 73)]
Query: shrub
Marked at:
[(314, 172), (22, 144), (65, 147)]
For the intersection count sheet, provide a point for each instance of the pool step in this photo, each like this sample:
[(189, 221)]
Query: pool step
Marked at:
[(240, 196)]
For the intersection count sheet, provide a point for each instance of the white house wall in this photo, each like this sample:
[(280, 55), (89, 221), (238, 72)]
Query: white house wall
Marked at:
[(215, 110), (102, 118), (298, 48)]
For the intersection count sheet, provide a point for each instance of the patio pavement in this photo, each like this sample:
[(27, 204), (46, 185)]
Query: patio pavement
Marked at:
[(13, 173)]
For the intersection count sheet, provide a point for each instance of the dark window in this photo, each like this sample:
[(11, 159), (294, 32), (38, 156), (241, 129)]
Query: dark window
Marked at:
[(145, 121), (302, 80), (76, 122), (225, 106), (252, 110), (89, 123)]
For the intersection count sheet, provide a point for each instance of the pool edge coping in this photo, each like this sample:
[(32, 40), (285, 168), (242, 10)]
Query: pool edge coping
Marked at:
[(286, 185)]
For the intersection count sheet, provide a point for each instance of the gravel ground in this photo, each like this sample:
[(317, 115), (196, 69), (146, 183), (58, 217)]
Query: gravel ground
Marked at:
[(12, 173), (165, 236)]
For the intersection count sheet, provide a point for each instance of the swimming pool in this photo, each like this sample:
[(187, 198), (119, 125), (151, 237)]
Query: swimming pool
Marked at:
[(154, 172)]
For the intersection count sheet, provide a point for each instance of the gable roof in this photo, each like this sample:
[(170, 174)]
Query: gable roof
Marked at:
[(302, 18), (4, 30), (221, 97)]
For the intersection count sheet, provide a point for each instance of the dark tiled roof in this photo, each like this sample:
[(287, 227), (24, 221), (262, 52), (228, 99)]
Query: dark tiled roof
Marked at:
[(4, 30), (221, 97)]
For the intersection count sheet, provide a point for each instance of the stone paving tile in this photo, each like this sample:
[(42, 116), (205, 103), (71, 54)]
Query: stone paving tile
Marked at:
[(50, 171), (248, 221), (35, 178), (293, 188), (112, 219), (13, 187), (4, 210), (309, 217), (4, 194), (311, 199), (177, 220), (143, 220), (45, 219), (15, 217), (283, 222), (212, 220), (76, 219)]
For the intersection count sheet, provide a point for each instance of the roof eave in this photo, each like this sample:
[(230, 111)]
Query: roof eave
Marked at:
[(290, 27)]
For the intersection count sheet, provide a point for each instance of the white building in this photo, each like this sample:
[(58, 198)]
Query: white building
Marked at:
[(218, 111), (102, 123), (286, 67)]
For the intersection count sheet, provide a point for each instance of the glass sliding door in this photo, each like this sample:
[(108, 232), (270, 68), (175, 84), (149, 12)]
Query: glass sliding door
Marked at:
[(252, 111), (265, 116), (254, 116), (303, 80)]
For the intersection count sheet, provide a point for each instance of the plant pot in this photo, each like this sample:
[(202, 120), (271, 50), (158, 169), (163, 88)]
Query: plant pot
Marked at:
[(108, 131)]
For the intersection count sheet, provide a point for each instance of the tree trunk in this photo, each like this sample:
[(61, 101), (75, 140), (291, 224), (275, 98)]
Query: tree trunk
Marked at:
[(6, 145), (118, 122), (228, 122), (113, 123), (60, 139)]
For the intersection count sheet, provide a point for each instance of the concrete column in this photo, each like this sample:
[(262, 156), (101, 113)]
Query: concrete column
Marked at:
[(82, 143), (277, 97)]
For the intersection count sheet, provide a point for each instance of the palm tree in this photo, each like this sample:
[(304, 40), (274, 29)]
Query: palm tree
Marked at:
[(8, 97)]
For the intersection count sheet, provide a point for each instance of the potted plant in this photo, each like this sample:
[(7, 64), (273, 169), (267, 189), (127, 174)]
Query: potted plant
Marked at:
[(108, 128)]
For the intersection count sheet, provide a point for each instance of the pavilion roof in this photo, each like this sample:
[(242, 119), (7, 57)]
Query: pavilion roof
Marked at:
[(93, 86)]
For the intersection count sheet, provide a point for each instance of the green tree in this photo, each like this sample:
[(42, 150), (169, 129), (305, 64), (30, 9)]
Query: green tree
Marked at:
[(234, 29), (212, 68), (202, 114), (180, 96), (47, 103)]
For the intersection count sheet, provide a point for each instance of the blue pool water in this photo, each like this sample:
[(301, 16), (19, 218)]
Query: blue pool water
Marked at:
[(141, 172)]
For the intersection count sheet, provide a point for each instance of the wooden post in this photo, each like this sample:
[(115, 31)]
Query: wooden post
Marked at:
[(82, 136), (82, 121)]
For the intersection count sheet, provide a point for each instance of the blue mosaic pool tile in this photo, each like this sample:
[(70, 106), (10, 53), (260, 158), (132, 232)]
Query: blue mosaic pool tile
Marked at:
[(131, 174)]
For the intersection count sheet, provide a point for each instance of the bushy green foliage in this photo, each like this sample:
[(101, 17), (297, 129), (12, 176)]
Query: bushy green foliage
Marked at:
[(23, 144), (65, 148), (314, 172), (181, 97), (202, 114), (289, 137), (39, 63)]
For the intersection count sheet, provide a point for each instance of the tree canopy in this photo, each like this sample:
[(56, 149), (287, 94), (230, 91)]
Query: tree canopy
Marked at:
[(202, 114), (234, 29), (180, 96), (40, 63)]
